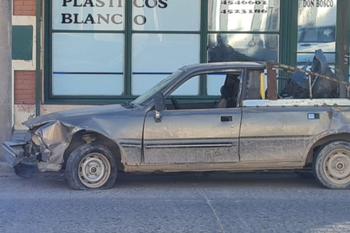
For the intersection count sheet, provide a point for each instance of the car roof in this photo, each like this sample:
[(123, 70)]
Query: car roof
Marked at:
[(224, 65)]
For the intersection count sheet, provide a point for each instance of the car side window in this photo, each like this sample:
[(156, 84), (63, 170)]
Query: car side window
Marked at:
[(223, 91), (230, 91)]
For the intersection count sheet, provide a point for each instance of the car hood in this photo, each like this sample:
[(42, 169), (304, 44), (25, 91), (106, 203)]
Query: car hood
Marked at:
[(77, 114)]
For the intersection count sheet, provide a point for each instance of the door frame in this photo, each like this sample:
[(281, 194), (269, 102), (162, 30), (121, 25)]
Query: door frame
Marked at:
[(343, 37), (347, 35)]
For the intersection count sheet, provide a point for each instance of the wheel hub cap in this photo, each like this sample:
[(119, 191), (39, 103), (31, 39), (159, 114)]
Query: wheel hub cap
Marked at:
[(337, 166), (94, 170)]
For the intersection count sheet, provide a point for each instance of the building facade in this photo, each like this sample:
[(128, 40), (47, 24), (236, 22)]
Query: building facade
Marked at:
[(74, 53)]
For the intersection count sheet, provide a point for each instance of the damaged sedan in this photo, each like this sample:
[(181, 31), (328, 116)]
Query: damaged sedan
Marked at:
[(247, 126)]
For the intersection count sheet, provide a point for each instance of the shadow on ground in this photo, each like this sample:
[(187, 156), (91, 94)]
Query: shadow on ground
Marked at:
[(209, 179)]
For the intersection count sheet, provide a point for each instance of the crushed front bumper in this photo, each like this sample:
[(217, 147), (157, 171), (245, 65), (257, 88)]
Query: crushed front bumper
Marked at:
[(13, 152)]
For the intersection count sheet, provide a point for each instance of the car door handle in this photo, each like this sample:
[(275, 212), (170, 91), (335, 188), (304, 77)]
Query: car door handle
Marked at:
[(226, 118)]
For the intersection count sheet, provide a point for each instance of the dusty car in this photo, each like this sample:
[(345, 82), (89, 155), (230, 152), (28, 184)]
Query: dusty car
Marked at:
[(251, 126)]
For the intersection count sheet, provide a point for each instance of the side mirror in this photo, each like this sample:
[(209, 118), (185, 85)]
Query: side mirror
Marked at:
[(159, 105)]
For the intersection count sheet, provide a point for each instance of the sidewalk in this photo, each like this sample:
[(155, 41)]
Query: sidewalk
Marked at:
[(6, 169)]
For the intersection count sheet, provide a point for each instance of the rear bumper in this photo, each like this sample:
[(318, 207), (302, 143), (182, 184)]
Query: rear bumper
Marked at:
[(13, 152)]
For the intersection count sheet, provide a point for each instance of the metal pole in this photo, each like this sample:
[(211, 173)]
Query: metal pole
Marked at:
[(5, 71), (38, 58), (343, 36)]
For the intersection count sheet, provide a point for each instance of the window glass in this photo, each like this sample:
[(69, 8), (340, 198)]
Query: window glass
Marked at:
[(88, 52), (140, 86), (214, 83), (148, 95), (227, 87), (304, 58), (143, 82), (164, 52), (156, 56), (166, 15), (87, 64), (88, 15), (319, 34), (190, 87), (87, 84), (316, 29), (244, 15), (242, 47)]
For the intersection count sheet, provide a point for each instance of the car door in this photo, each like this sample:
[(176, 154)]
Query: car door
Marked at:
[(192, 136), (278, 130), (280, 134)]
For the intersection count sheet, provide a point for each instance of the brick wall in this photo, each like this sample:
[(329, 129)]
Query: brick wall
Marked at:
[(24, 87), (24, 7)]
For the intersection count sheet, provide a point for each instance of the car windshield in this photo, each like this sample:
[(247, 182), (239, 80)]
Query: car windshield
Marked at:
[(148, 95)]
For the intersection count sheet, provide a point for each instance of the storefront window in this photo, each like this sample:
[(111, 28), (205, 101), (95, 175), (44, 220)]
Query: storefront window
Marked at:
[(101, 49), (234, 19), (241, 31), (87, 64), (156, 54), (242, 47), (316, 29), (166, 15), (87, 84), (244, 15), (90, 62), (88, 15), (88, 52)]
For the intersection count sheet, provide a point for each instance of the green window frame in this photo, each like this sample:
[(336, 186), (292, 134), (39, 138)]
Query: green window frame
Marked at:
[(287, 54)]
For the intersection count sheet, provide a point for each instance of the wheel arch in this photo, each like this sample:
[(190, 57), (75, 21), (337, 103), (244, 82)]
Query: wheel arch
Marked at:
[(88, 136), (343, 136)]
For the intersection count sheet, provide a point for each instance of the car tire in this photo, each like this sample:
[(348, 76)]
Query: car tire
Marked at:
[(91, 166), (332, 165)]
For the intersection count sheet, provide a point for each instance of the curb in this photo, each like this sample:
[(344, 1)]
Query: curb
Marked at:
[(6, 169)]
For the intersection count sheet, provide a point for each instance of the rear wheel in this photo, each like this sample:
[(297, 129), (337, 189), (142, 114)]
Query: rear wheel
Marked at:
[(332, 165), (91, 166)]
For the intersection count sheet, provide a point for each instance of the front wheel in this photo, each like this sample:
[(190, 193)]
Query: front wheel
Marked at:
[(91, 166), (332, 165)]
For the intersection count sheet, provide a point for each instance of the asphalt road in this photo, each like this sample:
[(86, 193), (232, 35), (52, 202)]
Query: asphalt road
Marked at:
[(214, 202)]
